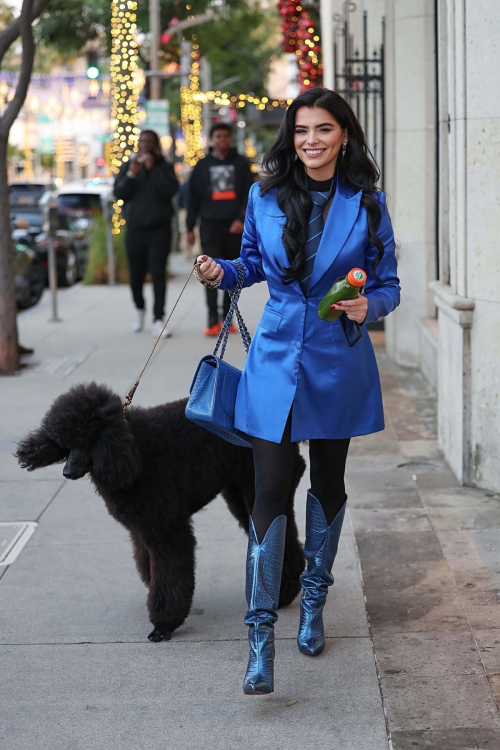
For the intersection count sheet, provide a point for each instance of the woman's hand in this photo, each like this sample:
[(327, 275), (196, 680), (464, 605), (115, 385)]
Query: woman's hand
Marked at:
[(209, 271), (355, 309)]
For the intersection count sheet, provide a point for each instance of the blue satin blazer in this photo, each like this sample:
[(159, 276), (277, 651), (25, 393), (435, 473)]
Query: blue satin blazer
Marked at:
[(297, 359)]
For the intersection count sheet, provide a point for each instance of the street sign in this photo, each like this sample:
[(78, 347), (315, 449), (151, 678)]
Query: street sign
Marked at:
[(45, 145), (157, 114)]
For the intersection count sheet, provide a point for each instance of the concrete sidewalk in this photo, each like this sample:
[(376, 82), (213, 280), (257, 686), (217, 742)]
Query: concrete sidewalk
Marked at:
[(413, 650)]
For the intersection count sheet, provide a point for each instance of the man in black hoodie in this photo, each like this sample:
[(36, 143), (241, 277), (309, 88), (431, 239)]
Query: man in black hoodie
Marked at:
[(218, 193)]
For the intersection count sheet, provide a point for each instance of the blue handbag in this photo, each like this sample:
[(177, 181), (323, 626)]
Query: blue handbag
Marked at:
[(213, 391)]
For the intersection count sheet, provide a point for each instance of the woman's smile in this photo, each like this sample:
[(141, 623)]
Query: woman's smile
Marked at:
[(313, 153)]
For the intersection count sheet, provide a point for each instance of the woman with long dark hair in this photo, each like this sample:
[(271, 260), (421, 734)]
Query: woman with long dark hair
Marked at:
[(316, 215)]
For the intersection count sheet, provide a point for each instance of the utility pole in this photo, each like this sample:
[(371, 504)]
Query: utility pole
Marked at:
[(326, 11), (206, 84), (240, 135), (186, 49), (154, 28)]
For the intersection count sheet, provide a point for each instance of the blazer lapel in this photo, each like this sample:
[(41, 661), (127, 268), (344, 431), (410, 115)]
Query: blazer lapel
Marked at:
[(273, 221), (341, 218), (339, 223)]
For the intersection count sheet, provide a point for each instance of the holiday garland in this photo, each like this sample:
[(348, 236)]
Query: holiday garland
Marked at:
[(302, 38)]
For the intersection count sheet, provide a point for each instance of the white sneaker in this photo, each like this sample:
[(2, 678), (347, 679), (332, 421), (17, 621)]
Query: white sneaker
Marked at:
[(157, 328), (138, 322)]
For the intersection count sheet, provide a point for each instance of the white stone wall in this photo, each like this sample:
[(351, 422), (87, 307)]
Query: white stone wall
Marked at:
[(482, 258), (411, 167), (469, 351), (466, 177)]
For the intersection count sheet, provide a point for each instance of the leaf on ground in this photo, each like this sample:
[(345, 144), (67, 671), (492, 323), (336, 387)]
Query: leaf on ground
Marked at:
[(291, 703)]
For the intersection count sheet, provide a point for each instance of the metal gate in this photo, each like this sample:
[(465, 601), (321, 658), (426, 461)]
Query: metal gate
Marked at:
[(360, 79)]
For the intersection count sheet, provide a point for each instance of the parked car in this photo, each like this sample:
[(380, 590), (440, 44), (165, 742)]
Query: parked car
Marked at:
[(28, 193), (29, 277), (83, 199), (70, 243)]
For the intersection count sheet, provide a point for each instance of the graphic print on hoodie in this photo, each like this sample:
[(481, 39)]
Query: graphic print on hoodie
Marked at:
[(218, 189), (223, 182)]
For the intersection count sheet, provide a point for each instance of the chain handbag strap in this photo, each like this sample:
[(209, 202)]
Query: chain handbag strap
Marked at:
[(235, 295), (233, 309)]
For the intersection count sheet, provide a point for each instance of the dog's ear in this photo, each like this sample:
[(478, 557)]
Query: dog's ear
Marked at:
[(37, 450), (115, 457)]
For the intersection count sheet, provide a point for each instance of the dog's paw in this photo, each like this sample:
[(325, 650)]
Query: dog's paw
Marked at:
[(158, 635)]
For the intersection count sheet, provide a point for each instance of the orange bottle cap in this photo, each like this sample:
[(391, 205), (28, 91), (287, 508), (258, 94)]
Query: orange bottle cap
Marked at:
[(356, 277)]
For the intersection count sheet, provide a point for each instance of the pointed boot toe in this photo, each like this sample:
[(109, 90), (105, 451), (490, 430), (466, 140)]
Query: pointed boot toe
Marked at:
[(259, 677), (311, 638)]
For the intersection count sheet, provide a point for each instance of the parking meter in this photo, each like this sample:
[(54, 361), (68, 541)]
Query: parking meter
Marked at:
[(48, 204), (108, 210)]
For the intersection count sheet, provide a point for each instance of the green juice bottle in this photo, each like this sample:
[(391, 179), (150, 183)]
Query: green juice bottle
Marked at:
[(347, 287)]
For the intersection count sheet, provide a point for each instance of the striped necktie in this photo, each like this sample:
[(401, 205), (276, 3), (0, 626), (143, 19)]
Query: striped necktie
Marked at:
[(314, 232)]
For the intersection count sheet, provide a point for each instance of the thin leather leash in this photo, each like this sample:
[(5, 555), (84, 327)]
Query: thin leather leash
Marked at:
[(131, 393)]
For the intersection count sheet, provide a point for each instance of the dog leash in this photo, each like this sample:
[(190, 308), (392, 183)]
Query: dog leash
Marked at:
[(131, 393)]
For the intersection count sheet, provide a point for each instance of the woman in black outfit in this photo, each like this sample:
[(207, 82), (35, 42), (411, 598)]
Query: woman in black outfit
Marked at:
[(146, 185)]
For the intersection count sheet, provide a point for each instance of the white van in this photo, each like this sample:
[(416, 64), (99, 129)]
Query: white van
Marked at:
[(83, 199)]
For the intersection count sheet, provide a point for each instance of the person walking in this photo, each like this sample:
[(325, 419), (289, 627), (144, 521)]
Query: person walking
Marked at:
[(316, 214), (218, 193), (146, 184)]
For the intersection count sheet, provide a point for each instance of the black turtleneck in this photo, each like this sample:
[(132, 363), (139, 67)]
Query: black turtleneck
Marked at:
[(321, 185)]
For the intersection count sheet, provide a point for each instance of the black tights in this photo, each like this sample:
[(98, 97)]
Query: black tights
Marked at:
[(274, 464), (147, 250)]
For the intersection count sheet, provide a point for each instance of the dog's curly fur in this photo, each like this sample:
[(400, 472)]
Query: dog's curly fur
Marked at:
[(154, 469)]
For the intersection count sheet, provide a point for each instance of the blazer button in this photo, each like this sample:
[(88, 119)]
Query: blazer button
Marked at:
[(298, 344)]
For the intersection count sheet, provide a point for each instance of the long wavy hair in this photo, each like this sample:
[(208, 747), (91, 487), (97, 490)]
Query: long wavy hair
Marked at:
[(284, 171)]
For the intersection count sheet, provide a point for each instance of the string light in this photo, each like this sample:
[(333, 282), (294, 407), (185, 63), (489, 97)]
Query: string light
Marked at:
[(225, 99), (125, 78), (191, 112), (300, 37), (251, 153), (191, 119)]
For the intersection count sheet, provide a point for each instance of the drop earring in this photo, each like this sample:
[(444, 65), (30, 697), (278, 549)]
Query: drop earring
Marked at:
[(344, 148)]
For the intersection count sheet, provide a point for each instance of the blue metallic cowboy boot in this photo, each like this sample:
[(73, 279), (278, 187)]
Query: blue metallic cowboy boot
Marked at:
[(264, 564), (320, 549)]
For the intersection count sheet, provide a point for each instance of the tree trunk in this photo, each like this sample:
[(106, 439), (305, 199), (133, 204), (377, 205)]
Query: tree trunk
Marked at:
[(9, 355)]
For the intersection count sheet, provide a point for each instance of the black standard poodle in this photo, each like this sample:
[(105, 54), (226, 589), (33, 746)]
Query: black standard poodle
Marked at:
[(154, 468)]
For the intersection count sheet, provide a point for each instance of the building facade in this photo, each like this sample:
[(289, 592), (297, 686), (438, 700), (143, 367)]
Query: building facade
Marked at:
[(443, 184)]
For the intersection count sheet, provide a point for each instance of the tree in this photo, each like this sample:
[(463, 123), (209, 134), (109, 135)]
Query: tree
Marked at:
[(7, 15), (19, 27), (236, 44), (70, 24)]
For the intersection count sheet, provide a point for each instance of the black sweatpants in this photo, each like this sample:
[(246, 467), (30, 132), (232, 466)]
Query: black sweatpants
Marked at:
[(218, 242), (274, 463), (147, 250)]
